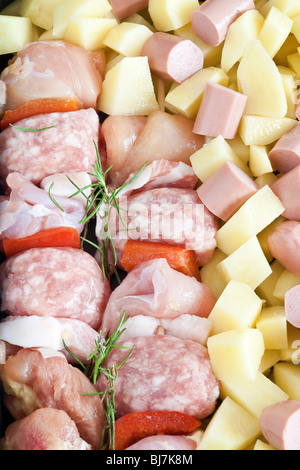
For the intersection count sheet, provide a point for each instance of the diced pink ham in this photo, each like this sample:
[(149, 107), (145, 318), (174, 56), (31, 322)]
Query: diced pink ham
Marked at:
[(171, 57), (54, 69), (287, 188), (285, 155), (284, 245), (44, 429), (154, 289), (211, 20), (49, 381), (292, 305), (220, 112), (163, 373), (280, 425), (163, 442), (60, 282), (226, 190), (65, 148), (123, 9), (131, 142)]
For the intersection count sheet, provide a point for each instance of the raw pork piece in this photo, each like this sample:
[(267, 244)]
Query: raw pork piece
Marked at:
[(67, 147), (164, 443), (166, 215), (131, 142), (50, 332), (42, 378), (44, 429), (163, 373), (156, 290), (60, 282), (29, 210), (54, 69)]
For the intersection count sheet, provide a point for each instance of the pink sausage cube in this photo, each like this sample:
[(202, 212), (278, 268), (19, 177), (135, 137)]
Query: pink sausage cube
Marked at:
[(211, 20), (220, 111), (124, 8), (280, 424), (284, 245), (226, 190), (292, 305), (287, 188), (171, 57), (285, 155)]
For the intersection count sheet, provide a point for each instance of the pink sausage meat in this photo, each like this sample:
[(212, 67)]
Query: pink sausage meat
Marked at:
[(171, 57), (285, 155), (211, 20), (284, 245), (292, 305), (280, 424), (287, 188), (122, 9), (163, 373)]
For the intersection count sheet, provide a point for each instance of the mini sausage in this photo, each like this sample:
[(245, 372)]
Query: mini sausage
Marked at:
[(122, 9), (284, 245), (292, 305), (211, 20), (287, 188), (285, 155), (220, 111), (171, 57), (280, 424)]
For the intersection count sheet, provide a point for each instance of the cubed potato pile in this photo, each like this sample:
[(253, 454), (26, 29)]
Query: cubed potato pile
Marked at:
[(253, 349)]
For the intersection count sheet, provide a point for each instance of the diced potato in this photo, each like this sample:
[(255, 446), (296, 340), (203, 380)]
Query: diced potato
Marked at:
[(244, 29), (290, 89), (293, 61), (237, 307), (276, 28), (261, 445), (287, 377), (264, 235), (292, 352), (247, 264), (253, 216), (212, 156), (79, 8), (13, 9), (263, 130), (288, 7), (212, 55), (289, 47), (210, 276), (236, 354), (111, 61), (88, 33), (253, 395), (270, 357), (225, 433), (266, 179), (16, 32), (296, 27), (266, 289), (186, 97), (285, 282), (273, 325), (168, 15), (259, 161), (266, 97), (136, 18), (41, 12), (128, 89), (128, 38)]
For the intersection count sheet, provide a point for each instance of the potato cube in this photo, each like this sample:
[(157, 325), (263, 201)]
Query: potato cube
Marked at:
[(287, 377), (210, 276), (247, 264), (288, 47), (261, 445), (253, 216), (242, 150), (293, 61), (270, 357), (263, 130), (266, 289), (16, 32), (212, 156), (128, 89), (244, 29), (259, 161), (12, 9), (273, 325), (237, 307), (292, 352), (79, 8), (265, 97), (168, 15), (88, 33), (186, 97), (41, 12), (236, 353), (253, 395), (290, 89), (288, 7), (266, 179), (127, 38), (275, 30), (285, 282), (225, 433)]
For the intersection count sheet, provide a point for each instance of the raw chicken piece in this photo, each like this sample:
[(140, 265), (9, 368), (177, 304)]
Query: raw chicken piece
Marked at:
[(60, 282), (54, 69), (66, 147), (29, 210), (50, 332), (131, 142), (164, 443), (44, 429), (42, 378), (155, 289)]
